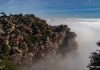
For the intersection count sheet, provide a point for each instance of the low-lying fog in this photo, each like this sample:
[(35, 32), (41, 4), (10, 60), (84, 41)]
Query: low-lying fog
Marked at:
[(88, 33)]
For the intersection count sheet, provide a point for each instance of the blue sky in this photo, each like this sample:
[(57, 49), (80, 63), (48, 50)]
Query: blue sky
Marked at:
[(53, 8)]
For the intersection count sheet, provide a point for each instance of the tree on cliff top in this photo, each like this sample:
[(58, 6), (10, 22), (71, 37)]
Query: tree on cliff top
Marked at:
[(95, 60)]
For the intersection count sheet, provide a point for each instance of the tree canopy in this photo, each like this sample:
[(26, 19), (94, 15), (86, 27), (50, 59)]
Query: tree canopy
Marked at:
[(95, 59)]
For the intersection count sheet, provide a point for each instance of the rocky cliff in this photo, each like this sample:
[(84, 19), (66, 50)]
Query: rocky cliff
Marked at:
[(25, 39)]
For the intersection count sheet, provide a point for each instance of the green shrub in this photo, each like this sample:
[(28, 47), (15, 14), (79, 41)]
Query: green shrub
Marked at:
[(6, 64)]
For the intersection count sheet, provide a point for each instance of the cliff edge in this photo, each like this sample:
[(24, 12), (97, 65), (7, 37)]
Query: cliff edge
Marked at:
[(25, 39)]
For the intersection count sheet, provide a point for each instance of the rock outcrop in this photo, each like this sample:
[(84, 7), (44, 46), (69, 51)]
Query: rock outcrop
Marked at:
[(25, 39)]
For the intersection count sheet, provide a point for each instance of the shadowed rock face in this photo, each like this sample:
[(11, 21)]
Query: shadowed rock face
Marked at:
[(26, 39)]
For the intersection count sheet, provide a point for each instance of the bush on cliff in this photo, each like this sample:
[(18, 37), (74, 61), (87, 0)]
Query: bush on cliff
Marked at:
[(95, 60)]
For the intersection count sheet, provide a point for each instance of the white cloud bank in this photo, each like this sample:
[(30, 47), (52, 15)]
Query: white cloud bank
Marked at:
[(83, 27), (88, 33)]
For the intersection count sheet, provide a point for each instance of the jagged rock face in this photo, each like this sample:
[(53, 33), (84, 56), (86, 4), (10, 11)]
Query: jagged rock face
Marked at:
[(28, 38)]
